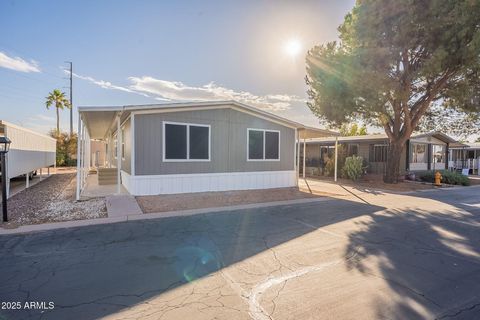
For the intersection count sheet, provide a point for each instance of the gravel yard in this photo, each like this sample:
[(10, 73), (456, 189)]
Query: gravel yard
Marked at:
[(52, 200), (174, 202)]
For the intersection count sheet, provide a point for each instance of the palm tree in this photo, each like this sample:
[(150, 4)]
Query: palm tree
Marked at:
[(57, 98)]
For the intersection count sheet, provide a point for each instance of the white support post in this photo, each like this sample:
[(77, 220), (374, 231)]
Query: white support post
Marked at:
[(40, 174), (82, 159), (27, 180), (132, 143), (295, 164), (336, 158), (119, 154), (298, 156), (78, 156), (304, 156)]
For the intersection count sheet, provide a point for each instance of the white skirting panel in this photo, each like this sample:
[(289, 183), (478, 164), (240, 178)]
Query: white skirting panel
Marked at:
[(202, 182)]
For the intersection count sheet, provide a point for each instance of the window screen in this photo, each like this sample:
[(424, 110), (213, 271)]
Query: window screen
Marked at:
[(271, 145), (175, 141), (255, 144), (199, 142)]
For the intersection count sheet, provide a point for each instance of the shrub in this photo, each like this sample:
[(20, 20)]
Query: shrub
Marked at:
[(353, 168), (448, 177), (330, 163), (330, 167)]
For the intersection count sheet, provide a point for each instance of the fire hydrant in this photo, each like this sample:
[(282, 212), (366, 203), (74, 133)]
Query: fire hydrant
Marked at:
[(438, 178)]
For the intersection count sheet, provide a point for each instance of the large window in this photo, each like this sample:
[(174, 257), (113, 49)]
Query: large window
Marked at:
[(263, 145), (438, 153), (186, 142), (378, 152), (352, 149), (418, 153)]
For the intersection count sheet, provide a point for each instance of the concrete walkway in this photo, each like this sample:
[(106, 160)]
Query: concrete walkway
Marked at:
[(122, 205)]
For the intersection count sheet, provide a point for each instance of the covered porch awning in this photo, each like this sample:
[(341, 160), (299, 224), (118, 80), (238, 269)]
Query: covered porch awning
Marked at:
[(96, 123)]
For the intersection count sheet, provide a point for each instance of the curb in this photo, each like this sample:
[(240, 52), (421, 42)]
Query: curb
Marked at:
[(156, 215)]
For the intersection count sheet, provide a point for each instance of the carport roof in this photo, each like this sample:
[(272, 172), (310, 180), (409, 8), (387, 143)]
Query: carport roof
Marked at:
[(372, 138), (99, 120)]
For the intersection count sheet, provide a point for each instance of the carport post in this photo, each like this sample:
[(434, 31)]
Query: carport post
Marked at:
[(119, 153), (27, 180), (298, 155), (79, 128), (304, 153), (40, 174), (336, 157), (48, 171)]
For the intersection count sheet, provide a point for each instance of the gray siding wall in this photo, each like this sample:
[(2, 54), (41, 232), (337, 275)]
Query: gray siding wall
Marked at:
[(228, 143)]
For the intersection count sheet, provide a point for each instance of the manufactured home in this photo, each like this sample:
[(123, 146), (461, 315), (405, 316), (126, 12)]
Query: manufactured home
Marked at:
[(465, 157), (422, 152), (29, 151), (188, 147)]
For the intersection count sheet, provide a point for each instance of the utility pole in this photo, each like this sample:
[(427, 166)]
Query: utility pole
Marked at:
[(71, 97)]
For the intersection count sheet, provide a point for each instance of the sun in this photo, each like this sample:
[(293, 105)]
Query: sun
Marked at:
[(293, 47)]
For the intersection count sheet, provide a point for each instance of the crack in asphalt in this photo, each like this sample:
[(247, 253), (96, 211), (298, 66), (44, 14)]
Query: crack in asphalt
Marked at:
[(456, 314)]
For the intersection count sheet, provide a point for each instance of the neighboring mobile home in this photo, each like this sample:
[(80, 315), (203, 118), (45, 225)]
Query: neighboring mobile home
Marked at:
[(190, 147), (422, 152), (465, 156), (29, 151)]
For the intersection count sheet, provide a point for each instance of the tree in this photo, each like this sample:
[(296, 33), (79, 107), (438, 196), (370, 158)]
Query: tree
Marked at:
[(58, 99), (396, 61), (352, 130), (66, 147)]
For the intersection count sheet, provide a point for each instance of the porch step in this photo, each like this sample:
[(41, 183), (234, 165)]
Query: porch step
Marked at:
[(107, 176)]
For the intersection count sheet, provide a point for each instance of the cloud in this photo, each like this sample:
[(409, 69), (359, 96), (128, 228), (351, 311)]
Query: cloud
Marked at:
[(18, 64), (42, 117), (164, 90), (178, 91)]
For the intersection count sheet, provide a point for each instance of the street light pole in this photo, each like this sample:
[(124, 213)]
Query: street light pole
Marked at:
[(4, 188), (4, 146)]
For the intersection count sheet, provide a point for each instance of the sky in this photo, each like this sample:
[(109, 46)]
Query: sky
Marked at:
[(143, 52)]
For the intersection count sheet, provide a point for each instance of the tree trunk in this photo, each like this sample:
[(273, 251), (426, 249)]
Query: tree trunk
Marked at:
[(394, 156), (58, 123)]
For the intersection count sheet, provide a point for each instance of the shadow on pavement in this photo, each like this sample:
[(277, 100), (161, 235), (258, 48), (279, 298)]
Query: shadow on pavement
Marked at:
[(431, 260), (96, 271)]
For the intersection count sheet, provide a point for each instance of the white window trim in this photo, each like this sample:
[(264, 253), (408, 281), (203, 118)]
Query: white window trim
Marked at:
[(115, 147), (122, 146), (188, 142), (263, 130)]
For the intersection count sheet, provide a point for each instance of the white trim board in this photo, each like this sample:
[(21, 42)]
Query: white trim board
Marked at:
[(204, 182)]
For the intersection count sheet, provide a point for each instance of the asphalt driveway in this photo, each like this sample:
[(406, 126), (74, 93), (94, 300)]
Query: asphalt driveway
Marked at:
[(362, 255)]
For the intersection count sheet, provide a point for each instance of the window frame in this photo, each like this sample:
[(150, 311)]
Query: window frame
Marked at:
[(383, 152), (264, 140), (187, 124), (115, 147), (413, 151), (122, 151)]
